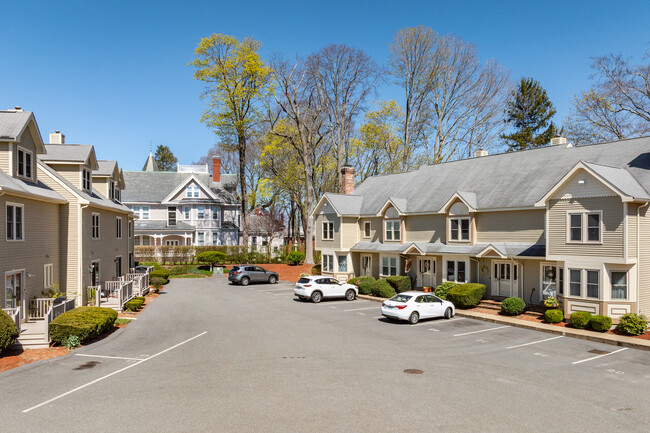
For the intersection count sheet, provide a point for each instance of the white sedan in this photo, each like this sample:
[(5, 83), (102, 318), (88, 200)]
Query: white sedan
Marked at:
[(413, 306), (317, 287)]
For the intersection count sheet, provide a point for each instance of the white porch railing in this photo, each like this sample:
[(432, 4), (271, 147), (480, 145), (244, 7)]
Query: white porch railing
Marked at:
[(15, 315), (54, 311), (140, 283), (38, 307), (125, 293), (93, 295)]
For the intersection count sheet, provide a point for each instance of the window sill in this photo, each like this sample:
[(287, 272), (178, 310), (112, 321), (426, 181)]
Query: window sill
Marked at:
[(15, 240), (584, 242)]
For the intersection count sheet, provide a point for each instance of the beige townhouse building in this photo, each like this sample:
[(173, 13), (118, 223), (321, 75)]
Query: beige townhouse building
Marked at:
[(562, 221)]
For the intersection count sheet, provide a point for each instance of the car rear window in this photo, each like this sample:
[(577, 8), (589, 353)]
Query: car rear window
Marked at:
[(235, 268), (401, 298), (304, 280)]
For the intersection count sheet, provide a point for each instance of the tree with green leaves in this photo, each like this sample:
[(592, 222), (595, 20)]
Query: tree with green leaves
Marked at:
[(237, 79), (164, 158), (529, 111)]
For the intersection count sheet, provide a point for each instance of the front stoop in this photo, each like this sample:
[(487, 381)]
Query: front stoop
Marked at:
[(32, 336)]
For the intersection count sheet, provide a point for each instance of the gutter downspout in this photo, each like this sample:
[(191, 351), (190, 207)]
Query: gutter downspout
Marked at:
[(638, 247), (80, 252)]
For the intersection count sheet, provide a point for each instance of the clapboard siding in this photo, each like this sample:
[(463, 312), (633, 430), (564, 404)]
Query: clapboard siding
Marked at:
[(591, 187), (375, 229), (644, 260), (513, 226), (5, 157), (334, 244), (631, 221), (425, 228), (612, 236), (349, 233)]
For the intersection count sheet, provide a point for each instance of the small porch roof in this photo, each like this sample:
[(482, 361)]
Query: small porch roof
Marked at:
[(502, 250), (161, 227)]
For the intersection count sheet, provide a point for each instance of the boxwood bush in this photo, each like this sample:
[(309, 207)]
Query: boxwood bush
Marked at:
[(134, 304), (512, 306), (365, 285), (554, 316), (357, 280), (382, 289), (580, 319), (466, 295), (632, 324), (296, 257), (8, 331), (212, 257), (443, 290), (84, 322), (162, 273), (400, 283), (600, 323)]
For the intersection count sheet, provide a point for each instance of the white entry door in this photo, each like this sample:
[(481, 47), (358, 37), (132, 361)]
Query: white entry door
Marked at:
[(15, 292), (549, 281), (426, 272), (505, 279), (366, 265)]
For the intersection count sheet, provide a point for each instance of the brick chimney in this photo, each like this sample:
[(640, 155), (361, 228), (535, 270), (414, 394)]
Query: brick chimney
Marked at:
[(348, 179), (216, 169), (57, 138)]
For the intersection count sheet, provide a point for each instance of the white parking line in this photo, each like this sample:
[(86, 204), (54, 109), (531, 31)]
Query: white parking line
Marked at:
[(534, 342), (482, 330), (113, 373), (109, 357), (276, 290), (361, 309), (599, 356), (378, 317), (280, 294)]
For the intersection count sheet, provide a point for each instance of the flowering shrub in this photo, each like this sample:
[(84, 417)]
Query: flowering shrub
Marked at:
[(551, 302)]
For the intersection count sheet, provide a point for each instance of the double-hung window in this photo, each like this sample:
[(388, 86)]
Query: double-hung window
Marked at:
[(201, 238), (141, 212), (24, 163), (459, 229), (328, 231), (186, 212), (48, 275), (192, 191), (585, 227), (201, 212), (593, 284), (130, 229), (328, 263), (215, 238), (215, 213), (589, 278), (389, 265), (575, 282), (15, 218), (366, 229), (171, 216), (86, 180), (343, 263), (619, 285), (118, 226), (95, 226), (393, 228), (456, 271)]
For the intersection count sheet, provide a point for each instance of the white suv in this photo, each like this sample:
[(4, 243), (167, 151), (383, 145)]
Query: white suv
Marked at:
[(317, 287)]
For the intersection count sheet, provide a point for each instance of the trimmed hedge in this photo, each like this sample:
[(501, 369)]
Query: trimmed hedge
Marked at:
[(212, 257), (134, 304), (443, 290), (554, 316), (466, 295), (162, 273), (8, 331), (512, 306), (84, 322), (296, 257), (382, 289), (580, 319), (365, 285), (357, 280), (600, 323), (401, 283), (632, 324)]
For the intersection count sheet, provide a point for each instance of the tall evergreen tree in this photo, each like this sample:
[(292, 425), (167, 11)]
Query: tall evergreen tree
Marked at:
[(165, 159), (529, 111)]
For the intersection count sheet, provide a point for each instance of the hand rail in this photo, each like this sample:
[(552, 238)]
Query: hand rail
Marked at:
[(15, 315), (54, 312), (125, 293), (38, 307)]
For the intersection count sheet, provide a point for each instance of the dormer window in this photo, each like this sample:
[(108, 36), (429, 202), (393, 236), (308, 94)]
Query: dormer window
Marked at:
[(459, 229), (192, 191), (87, 183), (24, 163), (392, 225)]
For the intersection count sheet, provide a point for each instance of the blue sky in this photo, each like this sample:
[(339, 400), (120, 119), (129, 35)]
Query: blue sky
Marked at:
[(115, 74)]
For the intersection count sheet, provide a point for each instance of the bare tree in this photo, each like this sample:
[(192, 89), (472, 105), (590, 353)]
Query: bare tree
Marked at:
[(266, 223), (344, 77), (617, 107)]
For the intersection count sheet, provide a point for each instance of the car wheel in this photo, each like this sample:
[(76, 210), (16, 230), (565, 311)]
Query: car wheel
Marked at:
[(350, 295), (273, 279), (316, 297), (448, 313), (244, 281), (413, 318)]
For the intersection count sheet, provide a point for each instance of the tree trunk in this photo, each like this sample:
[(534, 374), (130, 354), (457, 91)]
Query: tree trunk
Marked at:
[(308, 220), (242, 185)]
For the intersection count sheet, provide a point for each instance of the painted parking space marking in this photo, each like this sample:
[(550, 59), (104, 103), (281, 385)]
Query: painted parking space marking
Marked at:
[(108, 357), (534, 342), (482, 330), (378, 317), (276, 290), (113, 373), (361, 309), (599, 356), (361, 314)]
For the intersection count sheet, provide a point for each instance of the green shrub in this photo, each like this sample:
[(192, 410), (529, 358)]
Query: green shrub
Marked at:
[(84, 322), (554, 316), (71, 341), (357, 280), (600, 323), (580, 319), (551, 302), (157, 282), (443, 290), (156, 266), (400, 283), (632, 324), (512, 306), (365, 285), (8, 331), (180, 270), (382, 289), (162, 273), (316, 270), (212, 257), (134, 304), (466, 295), (296, 257)]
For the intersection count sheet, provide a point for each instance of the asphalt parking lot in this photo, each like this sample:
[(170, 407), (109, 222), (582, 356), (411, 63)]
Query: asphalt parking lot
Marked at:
[(208, 356)]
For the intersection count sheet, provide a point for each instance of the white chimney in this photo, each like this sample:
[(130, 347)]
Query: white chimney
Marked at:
[(57, 138), (558, 140), (480, 152)]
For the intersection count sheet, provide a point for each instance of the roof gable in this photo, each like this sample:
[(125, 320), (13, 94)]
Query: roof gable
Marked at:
[(180, 189)]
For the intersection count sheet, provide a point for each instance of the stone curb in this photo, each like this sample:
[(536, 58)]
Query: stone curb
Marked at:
[(615, 340)]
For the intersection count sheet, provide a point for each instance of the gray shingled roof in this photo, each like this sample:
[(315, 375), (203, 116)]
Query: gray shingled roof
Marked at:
[(150, 164), (67, 152), (10, 184), (12, 123), (621, 179), (106, 168), (507, 180), (160, 225), (154, 186), (507, 249)]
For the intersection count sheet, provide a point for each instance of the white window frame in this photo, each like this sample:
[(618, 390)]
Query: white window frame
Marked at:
[(200, 238), (367, 229), (395, 235), (95, 228), (118, 227), (446, 262), (215, 213), (142, 212), (390, 265), (15, 235), (584, 285), (86, 180), (186, 212), (627, 285), (328, 228), (344, 261), (200, 212), (192, 191), (130, 229), (48, 275), (460, 229), (215, 238), (584, 228), (22, 159), (327, 262)]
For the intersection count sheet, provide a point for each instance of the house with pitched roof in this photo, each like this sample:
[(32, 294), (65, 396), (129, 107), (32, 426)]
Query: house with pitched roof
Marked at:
[(187, 207), (562, 221)]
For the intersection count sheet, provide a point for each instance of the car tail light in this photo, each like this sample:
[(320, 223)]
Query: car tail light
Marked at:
[(400, 307), (306, 285), (383, 304)]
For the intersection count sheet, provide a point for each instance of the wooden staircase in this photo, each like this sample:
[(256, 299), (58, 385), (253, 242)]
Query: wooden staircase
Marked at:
[(32, 335)]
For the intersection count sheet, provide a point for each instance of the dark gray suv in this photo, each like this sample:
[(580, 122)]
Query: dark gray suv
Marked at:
[(246, 274)]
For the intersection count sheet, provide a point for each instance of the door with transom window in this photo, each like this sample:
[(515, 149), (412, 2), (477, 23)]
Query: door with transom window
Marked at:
[(426, 275), (505, 278)]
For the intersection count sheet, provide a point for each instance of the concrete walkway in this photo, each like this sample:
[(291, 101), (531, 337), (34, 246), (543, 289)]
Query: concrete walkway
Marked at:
[(617, 340)]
